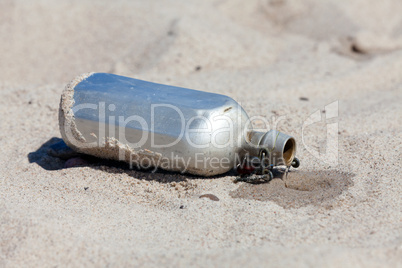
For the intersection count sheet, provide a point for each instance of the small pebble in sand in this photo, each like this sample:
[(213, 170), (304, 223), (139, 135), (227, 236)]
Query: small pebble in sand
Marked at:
[(210, 196), (75, 162), (303, 99)]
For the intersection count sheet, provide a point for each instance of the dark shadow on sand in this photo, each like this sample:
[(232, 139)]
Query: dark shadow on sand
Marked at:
[(45, 157)]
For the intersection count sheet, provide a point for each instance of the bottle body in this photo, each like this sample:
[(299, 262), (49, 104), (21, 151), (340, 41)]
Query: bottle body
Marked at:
[(153, 125)]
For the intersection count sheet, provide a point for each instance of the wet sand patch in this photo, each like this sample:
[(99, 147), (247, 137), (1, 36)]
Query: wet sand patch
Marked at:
[(298, 188)]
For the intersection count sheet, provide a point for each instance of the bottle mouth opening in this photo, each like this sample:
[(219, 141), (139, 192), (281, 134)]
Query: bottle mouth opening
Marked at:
[(289, 151), (279, 147)]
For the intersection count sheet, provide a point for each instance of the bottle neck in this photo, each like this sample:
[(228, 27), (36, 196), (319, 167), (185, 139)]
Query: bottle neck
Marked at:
[(277, 147)]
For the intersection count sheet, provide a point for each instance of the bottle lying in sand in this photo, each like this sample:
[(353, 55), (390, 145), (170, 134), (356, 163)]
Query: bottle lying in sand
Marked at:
[(172, 128)]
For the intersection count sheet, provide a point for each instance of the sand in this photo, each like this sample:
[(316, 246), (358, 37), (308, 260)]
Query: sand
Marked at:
[(277, 58)]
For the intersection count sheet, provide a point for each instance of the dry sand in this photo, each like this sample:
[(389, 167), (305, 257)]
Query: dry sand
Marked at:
[(266, 55)]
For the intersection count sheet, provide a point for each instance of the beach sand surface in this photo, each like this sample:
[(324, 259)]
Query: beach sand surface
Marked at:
[(284, 60)]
